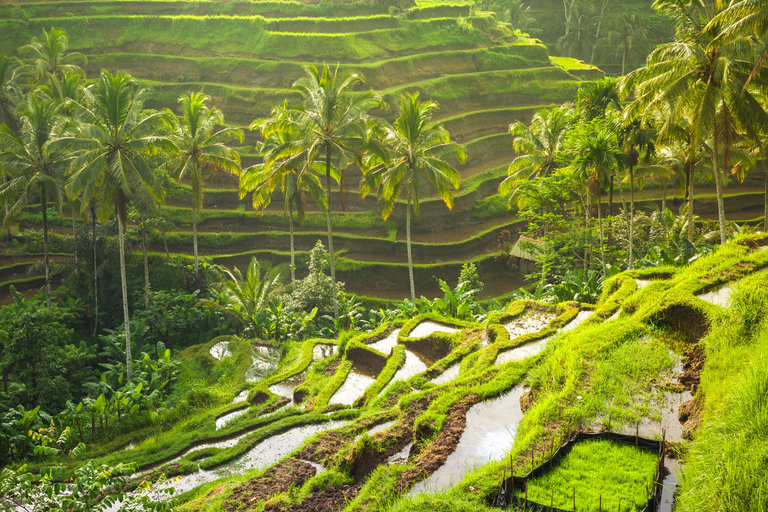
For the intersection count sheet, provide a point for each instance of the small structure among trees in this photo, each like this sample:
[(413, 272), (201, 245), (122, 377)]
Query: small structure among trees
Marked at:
[(528, 252)]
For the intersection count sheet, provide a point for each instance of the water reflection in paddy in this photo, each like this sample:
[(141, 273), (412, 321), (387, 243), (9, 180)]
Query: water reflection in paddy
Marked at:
[(352, 389), (322, 350), (386, 345), (448, 375), (489, 435), (519, 353), (427, 327), (533, 321), (265, 360)]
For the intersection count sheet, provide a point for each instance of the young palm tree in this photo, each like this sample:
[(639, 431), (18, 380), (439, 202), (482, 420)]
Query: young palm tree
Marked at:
[(702, 74), (280, 170), (49, 56), (539, 146), (416, 149), (10, 96), (36, 166), (595, 157), (111, 167), (200, 146), (331, 126)]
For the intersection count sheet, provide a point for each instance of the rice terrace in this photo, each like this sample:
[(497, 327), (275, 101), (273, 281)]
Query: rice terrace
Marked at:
[(384, 255)]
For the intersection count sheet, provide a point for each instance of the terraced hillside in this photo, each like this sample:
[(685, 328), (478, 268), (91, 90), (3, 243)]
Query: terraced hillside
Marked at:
[(246, 55), (431, 413)]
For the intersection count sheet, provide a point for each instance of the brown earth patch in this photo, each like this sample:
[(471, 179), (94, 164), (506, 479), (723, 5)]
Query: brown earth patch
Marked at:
[(275, 480), (331, 368), (436, 453), (281, 401), (526, 400), (735, 271), (329, 444), (394, 398), (689, 322), (258, 398), (362, 462), (692, 366), (430, 348), (366, 359), (330, 500)]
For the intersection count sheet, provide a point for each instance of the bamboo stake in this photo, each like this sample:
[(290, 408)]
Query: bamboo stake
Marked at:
[(619, 505), (574, 499), (600, 508)]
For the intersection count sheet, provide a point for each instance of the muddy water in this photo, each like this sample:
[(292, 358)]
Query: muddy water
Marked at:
[(427, 327), (265, 360), (578, 319), (530, 322), (448, 375), (489, 435), (519, 353), (352, 389), (229, 417), (669, 485), (411, 367), (386, 345), (322, 351), (241, 397), (221, 350), (264, 454), (401, 456), (285, 388)]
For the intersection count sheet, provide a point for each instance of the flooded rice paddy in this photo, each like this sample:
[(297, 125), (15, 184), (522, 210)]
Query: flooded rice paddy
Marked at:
[(578, 319), (529, 322), (522, 352), (229, 417), (265, 360), (221, 350), (427, 327), (448, 375), (412, 366), (353, 388), (321, 351), (489, 435), (386, 345)]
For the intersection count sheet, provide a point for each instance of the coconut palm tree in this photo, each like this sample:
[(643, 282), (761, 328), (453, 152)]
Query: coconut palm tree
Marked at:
[(331, 126), (539, 147), (745, 17), (416, 150), (704, 74), (280, 170), (48, 56), (10, 96), (595, 156), (201, 146), (626, 35), (111, 165), (578, 41), (35, 164)]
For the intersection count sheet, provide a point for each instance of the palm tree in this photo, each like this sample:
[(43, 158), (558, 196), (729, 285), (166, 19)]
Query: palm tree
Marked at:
[(281, 170), (331, 126), (579, 41), (49, 56), (35, 164), (538, 145), (111, 166), (704, 74), (10, 96), (248, 295), (626, 35), (596, 155), (745, 17), (200, 147), (416, 148)]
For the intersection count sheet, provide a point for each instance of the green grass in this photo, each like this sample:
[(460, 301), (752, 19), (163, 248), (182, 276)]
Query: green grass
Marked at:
[(598, 471)]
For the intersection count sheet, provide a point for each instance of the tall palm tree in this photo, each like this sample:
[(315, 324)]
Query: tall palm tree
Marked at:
[(281, 170), (626, 35), (200, 146), (48, 56), (578, 42), (331, 126), (416, 149), (111, 165), (10, 96), (745, 17), (35, 164), (704, 74), (596, 155), (538, 145)]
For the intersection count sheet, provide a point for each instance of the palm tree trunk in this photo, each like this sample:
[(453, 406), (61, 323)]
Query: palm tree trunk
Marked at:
[(664, 194), (600, 229), (690, 200), (46, 263), (95, 271), (194, 241), (588, 248), (124, 284), (719, 187), (74, 233), (146, 261), (623, 59), (7, 211), (330, 230), (408, 246), (610, 198), (765, 201), (597, 32), (290, 227), (165, 243), (631, 213)]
